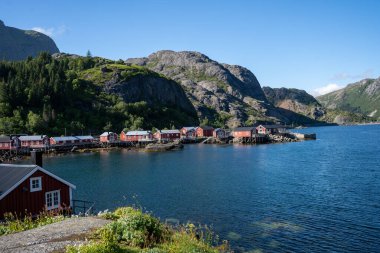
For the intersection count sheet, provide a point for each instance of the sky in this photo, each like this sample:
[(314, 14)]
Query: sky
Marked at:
[(318, 46)]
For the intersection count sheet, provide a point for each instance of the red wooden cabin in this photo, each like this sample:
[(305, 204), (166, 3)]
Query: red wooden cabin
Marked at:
[(188, 132), (136, 136), (219, 133), (84, 139), (63, 140), (271, 129), (34, 141), (244, 132), (9, 143), (204, 131), (108, 137), (167, 135), (30, 189)]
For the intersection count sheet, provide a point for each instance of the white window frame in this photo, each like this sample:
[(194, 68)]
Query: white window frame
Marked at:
[(52, 199), (32, 189)]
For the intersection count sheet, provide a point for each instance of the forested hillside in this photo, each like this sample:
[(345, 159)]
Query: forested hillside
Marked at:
[(78, 95)]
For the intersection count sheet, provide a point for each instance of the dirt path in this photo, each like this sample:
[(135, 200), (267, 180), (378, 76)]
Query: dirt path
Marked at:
[(54, 237)]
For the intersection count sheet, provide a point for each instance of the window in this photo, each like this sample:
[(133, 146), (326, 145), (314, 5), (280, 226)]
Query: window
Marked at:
[(52, 199), (35, 184)]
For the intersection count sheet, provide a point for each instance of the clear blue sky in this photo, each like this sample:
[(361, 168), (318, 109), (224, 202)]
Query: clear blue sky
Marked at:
[(286, 43)]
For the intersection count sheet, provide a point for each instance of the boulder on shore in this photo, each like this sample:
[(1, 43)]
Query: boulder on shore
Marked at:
[(157, 147)]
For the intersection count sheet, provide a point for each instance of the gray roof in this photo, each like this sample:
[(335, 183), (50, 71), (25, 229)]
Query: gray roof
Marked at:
[(174, 131), (11, 174), (129, 133), (244, 129), (274, 126), (85, 137), (107, 133), (65, 138), (207, 127), (189, 128), (5, 138), (32, 137)]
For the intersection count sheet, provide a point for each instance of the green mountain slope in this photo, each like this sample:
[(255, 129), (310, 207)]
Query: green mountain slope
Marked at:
[(361, 97), (87, 95), (302, 103), (17, 44)]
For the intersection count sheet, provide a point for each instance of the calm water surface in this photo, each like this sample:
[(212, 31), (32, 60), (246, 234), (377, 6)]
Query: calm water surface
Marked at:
[(312, 196)]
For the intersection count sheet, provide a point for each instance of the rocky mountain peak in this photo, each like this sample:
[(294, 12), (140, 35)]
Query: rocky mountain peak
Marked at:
[(214, 88), (17, 44)]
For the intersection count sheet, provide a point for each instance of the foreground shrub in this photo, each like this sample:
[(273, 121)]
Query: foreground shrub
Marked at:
[(134, 228), (133, 231), (183, 242), (95, 247)]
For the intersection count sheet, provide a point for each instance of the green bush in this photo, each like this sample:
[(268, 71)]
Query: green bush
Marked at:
[(183, 242), (4, 230), (133, 231), (109, 216), (136, 228), (95, 247)]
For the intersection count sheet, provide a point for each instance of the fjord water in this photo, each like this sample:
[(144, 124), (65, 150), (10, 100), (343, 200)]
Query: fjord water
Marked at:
[(312, 196)]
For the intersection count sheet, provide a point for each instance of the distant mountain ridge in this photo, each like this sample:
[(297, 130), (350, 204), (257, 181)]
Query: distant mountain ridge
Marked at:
[(300, 102), (360, 97), (295, 100), (17, 44), (222, 94), (207, 92)]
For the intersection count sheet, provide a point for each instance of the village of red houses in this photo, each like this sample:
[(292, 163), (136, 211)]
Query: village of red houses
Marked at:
[(29, 189), (44, 142)]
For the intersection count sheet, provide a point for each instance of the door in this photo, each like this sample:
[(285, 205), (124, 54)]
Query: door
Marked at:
[(52, 199)]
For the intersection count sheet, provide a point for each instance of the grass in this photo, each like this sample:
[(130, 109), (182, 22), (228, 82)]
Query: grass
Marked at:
[(96, 75), (353, 99), (134, 231), (14, 224)]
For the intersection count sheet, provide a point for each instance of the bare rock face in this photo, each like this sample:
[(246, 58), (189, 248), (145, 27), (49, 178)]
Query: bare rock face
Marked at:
[(215, 90), (150, 88), (298, 101), (17, 44)]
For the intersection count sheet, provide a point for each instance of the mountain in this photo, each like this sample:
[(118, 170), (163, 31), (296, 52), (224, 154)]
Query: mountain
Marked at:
[(302, 103), (298, 101), (17, 44), (222, 94), (361, 97), (51, 94)]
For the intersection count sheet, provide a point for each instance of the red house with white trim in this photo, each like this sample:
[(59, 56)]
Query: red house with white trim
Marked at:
[(167, 135), (188, 132), (204, 131), (136, 136), (30, 189), (63, 140), (9, 143), (108, 137), (34, 141), (271, 129), (244, 132)]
